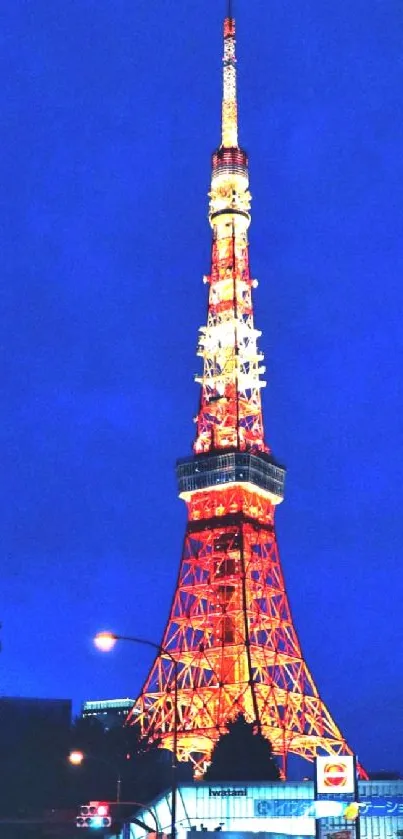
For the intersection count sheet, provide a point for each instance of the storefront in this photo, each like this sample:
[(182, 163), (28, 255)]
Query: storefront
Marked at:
[(279, 809)]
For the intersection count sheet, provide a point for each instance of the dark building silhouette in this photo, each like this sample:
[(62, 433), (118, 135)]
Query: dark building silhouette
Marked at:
[(20, 713)]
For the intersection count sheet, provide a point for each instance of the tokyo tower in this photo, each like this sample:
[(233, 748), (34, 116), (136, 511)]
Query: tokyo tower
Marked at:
[(230, 628)]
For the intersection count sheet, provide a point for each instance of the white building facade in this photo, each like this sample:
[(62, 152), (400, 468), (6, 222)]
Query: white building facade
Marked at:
[(275, 809)]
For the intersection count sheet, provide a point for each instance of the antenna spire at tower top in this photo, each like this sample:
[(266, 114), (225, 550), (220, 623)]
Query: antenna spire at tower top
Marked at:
[(229, 102)]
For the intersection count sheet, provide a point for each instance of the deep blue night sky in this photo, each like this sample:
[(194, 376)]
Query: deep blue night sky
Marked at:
[(110, 111)]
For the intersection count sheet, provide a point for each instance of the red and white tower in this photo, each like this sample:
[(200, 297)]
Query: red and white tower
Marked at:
[(230, 628)]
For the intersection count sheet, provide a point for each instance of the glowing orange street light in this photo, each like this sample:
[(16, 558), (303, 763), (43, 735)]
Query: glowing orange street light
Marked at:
[(105, 641), (76, 758)]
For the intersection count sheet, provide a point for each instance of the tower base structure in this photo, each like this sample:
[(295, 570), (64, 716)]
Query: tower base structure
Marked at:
[(230, 628)]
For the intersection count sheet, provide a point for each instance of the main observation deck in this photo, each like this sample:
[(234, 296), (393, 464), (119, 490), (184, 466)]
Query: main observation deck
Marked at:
[(214, 470)]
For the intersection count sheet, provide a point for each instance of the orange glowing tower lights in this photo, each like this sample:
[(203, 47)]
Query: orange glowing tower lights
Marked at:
[(230, 628)]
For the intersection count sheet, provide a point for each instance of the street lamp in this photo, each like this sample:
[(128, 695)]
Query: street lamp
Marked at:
[(105, 641), (76, 758)]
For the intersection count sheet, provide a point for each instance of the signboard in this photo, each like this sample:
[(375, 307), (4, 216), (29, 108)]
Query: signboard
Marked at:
[(369, 806), (226, 792), (335, 775)]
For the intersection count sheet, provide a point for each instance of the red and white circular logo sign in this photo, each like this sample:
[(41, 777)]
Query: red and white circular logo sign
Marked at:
[(335, 774)]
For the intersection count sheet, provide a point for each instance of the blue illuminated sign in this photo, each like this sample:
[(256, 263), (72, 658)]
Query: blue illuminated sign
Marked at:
[(274, 808), (369, 806)]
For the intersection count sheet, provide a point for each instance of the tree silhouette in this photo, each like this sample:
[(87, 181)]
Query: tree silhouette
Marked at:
[(242, 754), (144, 768)]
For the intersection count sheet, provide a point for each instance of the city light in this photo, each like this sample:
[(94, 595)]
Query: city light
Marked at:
[(105, 641), (76, 758)]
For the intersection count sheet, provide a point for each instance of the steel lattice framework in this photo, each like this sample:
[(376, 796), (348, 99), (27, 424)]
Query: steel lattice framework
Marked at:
[(230, 628)]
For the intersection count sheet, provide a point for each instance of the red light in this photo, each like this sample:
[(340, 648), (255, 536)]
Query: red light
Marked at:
[(103, 809)]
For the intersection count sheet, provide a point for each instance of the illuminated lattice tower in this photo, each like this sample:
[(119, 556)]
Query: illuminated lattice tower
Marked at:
[(230, 628)]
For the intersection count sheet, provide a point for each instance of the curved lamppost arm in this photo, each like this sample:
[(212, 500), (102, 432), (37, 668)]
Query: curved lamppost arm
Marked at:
[(144, 641)]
